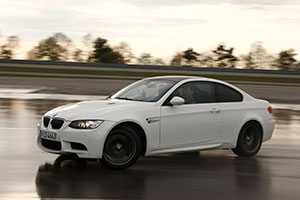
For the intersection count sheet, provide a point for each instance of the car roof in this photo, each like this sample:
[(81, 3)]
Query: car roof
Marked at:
[(178, 79), (174, 78)]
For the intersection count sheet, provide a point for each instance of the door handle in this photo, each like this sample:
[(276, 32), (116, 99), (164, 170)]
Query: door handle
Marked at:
[(215, 110)]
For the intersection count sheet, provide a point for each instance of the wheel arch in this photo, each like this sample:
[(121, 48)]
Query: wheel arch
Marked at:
[(139, 130), (240, 149), (253, 121)]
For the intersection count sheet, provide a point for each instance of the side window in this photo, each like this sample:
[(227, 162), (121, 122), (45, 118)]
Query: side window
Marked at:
[(195, 92), (227, 94)]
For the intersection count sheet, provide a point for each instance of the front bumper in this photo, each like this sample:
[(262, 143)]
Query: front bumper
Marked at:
[(68, 140)]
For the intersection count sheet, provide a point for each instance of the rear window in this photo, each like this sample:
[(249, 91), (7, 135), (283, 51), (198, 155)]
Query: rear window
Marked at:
[(227, 94)]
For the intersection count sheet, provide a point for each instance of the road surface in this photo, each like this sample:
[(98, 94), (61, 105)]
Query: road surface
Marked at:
[(28, 173)]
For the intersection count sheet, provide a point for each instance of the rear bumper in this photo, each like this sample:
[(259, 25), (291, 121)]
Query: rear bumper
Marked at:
[(268, 128), (83, 143)]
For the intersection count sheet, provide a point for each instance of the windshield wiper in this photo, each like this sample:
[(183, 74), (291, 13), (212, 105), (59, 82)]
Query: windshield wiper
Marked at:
[(125, 98)]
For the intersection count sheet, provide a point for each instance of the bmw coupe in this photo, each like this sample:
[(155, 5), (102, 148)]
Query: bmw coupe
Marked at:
[(159, 115)]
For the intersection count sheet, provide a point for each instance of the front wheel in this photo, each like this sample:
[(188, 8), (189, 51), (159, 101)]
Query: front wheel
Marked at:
[(249, 141), (121, 149)]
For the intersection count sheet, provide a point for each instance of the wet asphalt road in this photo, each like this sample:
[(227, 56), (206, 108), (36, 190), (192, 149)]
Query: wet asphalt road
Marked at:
[(28, 173)]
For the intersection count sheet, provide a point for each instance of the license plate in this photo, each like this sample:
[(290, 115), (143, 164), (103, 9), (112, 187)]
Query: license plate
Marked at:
[(48, 135)]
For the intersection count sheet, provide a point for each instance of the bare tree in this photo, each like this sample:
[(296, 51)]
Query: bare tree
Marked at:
[(48, 49), (177, 59), (257, 58), (125, 50), (7, 50), (159, 61), (66, 43), (78, 55), (145, 59), (148, 59), (88, 46), (206, 60)]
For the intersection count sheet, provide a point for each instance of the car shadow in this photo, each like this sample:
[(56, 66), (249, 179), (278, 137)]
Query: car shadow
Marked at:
[(176, 176)]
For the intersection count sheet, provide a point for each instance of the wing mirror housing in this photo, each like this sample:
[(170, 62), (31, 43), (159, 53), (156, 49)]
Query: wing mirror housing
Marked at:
[(176, 101)]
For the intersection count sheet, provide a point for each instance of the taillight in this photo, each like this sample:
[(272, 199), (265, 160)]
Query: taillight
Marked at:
[(270, 110)]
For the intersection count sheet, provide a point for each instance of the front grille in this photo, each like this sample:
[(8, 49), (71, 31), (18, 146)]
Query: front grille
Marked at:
[(46, 121), (50, 144), (57, 123), (78, 146)]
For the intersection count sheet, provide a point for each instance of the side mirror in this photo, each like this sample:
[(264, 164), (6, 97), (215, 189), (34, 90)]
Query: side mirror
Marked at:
[(176, 101)]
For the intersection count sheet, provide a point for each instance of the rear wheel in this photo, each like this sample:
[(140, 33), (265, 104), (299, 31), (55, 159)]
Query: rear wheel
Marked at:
[(249, 141), (121, 149)]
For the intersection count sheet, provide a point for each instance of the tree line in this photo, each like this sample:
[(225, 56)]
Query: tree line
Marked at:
[(60, 47)]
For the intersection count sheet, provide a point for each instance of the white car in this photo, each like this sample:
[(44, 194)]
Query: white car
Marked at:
[(159, 115)]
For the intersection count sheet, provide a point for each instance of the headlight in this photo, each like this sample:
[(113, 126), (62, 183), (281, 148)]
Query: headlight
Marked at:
[(85, 124)]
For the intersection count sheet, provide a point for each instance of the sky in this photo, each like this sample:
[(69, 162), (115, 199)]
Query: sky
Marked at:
[(159, 27)]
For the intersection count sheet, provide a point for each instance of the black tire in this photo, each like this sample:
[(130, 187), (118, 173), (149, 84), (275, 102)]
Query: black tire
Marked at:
[(249, 141), (122, 148)]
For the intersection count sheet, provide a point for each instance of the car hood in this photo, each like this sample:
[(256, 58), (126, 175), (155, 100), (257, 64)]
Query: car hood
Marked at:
[(104, 109)]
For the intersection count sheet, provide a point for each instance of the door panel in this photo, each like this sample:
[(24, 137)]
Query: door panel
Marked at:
[(189, 123)]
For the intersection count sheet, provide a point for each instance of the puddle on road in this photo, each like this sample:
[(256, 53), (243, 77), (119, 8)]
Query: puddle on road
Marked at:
[(18, 113), (22, 114)]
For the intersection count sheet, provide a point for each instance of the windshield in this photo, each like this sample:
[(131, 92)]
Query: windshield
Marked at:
[(149, 90)]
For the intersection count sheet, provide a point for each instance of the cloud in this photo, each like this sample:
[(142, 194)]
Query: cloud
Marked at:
[(288, 20), (264, 2), (157, 26), (150, 3)]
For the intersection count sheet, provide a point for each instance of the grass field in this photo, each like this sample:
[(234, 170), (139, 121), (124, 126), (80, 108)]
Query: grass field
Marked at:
[(76, 73)]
